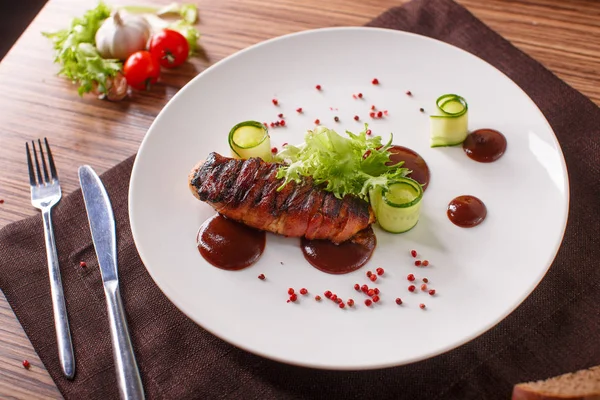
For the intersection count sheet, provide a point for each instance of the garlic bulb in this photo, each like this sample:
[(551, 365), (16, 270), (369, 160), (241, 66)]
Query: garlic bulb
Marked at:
[(122, 35)]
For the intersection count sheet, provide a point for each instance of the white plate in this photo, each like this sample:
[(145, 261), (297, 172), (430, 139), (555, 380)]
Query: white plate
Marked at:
[(480, 274)]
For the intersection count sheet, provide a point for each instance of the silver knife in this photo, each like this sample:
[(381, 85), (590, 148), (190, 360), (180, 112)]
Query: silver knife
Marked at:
[(102, 225)]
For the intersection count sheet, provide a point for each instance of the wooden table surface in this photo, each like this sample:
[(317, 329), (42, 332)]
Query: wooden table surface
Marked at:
[(562, 35)]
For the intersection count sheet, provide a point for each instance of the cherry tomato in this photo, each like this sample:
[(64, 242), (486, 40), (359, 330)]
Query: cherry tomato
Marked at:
[(141, 70), (171, 48)]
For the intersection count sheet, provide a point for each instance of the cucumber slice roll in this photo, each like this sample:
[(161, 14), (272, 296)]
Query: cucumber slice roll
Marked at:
[(397, 206), (250, 139), (451, 126)]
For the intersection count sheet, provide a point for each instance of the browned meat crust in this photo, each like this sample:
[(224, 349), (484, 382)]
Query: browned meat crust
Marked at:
[(246, 191)]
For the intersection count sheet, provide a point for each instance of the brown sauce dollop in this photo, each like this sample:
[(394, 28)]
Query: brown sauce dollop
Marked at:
[(413, 161), (228, 244), (485, 145), (342, 258), (466, 211)]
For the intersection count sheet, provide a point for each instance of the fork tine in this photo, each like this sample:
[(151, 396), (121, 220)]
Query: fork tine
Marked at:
[(32, 181), (51, 160), (37, 164), (43, 162)]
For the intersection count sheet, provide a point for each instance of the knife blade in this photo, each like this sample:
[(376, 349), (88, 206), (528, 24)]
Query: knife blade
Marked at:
[(104, 236)]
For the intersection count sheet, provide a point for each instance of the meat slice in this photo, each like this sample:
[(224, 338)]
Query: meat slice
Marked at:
[(246, 191)]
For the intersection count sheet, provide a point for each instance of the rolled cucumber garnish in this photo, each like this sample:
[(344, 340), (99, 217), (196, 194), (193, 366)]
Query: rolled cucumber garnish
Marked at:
[(397, 205), (250, 139), (451, 126)]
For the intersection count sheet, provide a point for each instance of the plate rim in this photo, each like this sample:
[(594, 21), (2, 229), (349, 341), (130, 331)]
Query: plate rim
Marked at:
[(467, 338)]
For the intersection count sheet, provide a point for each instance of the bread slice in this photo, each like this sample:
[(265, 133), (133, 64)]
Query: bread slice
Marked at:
[(580, 385)]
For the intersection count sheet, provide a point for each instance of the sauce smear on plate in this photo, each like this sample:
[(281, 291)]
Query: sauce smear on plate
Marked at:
[(413, 161), (341, 258), (485, 145), (228, 244), (466, 211)]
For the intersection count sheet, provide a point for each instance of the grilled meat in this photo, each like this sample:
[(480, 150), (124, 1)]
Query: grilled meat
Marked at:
[(246, 191)]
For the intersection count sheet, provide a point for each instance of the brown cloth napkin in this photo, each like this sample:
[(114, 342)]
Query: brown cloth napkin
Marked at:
[(557, 329)]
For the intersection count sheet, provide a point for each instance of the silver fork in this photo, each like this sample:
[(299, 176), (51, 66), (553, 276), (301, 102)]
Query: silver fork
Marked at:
[(45, 193)]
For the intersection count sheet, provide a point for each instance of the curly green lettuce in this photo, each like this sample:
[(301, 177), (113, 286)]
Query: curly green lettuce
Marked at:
[(75, 51), (81, 63), (345, 165)]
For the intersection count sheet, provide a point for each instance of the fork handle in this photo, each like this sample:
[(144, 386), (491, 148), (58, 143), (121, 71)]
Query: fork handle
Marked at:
[(61, 322)]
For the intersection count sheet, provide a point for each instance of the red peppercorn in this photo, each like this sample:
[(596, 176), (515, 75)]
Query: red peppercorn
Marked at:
[(371, 293), (354, 96), (408, 93), (290, 291), (327, 294), (368, 302), (375, 299), (422, 109), (336, 118), (432, 292), (280, 115), (82, 264), (350, 303), (299, 110), (372, 114), (274, 150), (26, 364), (272, 124), (425, 280), (368, 132), (411, 288), (318, 87), (376, 290), (385, 112), (356, 117), (318, 298), (375, 81), (424, 287), (261, 277), (398, 300), (418, 263), (265, 124), (410, 277), (294, 297), (360, 95), (282, 122), (369, 273), (364, 288), (317, 122), (413, 253), (334, 297), (339, 301), (373, 107), (380, 271), (425, 263), (356, 286), (277, 123), (379, 114), (373, 278), (303, 291), (422, 306), (342, 305), (275, 102)]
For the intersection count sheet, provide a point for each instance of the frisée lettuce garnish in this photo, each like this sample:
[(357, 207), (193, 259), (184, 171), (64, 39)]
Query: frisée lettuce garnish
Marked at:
[(351, 164)]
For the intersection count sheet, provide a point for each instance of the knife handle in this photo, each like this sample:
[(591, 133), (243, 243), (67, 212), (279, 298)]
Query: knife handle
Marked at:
[(128, 375)]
